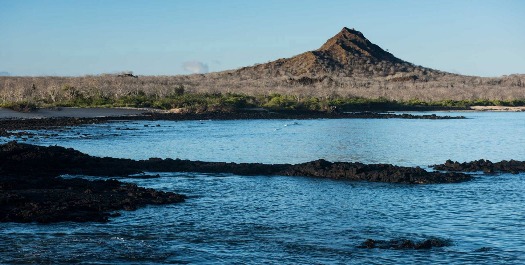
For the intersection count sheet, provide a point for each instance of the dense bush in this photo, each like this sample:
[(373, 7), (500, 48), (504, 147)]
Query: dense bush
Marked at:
[(22, 106)]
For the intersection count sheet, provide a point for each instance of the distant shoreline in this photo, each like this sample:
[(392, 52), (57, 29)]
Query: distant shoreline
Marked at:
[(498, 108), (97, 112), (13, 123)]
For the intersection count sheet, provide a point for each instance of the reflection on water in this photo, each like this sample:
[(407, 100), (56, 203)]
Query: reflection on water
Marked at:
[(293, 220)]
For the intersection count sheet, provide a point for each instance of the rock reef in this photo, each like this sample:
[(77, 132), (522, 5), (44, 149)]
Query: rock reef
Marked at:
[(372, 172), (31, 188), (504, 166), (25, 159), (32, 191), (53, 199)]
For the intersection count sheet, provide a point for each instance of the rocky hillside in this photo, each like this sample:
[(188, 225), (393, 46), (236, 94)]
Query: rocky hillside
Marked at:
[(349, 65), (348, 53)]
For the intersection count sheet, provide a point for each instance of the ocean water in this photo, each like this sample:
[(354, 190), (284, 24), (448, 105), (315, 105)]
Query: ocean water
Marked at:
[(230, 219)]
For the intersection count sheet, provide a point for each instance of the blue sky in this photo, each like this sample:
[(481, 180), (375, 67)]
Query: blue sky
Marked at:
[(64, 37)]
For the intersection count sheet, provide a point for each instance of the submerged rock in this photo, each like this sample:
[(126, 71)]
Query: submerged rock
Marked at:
[(403, 244)]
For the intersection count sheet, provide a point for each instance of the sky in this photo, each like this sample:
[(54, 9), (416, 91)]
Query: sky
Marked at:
[(172, 37)]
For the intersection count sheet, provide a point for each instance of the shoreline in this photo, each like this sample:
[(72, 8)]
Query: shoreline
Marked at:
[(71, 112), (123, 112), (9, 125), (53, 118)]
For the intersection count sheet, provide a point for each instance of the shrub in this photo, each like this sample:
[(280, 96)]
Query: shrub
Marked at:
[(22, 106)]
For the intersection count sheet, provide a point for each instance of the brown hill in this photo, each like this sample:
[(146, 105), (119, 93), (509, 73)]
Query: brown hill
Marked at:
[(349, 65), (348, 53), (352, 43)]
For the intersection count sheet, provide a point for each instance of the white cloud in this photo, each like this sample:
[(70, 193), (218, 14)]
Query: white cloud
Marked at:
[(195, 67)]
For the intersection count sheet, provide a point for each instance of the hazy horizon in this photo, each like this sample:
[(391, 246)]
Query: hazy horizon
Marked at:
[(66, 38)]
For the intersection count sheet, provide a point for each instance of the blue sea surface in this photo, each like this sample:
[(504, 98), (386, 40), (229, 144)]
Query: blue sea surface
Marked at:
[(230, 219)]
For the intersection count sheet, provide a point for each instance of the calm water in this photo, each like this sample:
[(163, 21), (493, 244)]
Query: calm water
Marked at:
[(230, 219)]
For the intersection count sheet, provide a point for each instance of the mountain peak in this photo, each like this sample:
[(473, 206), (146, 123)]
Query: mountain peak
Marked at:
[(347, 53), (346, 31), (351, 42), (344, 38)]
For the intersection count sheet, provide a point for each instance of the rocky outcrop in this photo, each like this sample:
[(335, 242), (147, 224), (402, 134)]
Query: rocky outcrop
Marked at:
[(25, 159), (511, 166), (53, 199), (32, 191), (30, 160), (372, 172)]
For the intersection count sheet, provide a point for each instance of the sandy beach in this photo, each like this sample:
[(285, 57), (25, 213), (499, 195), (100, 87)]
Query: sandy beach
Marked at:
[(497, 108)]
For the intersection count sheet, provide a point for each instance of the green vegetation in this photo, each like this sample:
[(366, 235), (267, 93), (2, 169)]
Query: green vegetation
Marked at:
[(210, 102), (22, 106), (467, 103)]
